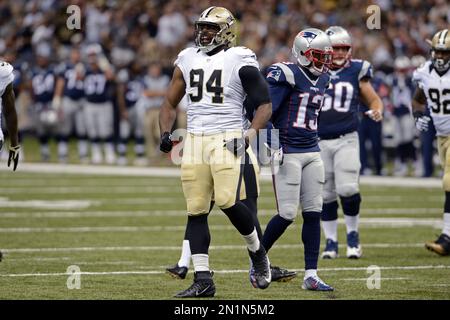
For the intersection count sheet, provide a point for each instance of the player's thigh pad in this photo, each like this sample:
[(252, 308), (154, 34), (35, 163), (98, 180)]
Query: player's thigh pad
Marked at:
[(327, 151), (226, 169), (196, 178), (444, 155), (65, 124), (287, 186), (347, 166), (313, 177), (105, 121)]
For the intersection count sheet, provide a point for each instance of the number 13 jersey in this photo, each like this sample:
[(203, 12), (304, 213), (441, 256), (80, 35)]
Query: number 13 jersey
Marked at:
[(437, 91), (213, 88)]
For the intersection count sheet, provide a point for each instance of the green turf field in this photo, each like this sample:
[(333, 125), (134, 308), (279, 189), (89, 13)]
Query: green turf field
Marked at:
[(123, 231)]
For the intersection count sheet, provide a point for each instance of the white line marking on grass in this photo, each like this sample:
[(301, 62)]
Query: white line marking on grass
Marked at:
[(93, 190), (364, 222), (182, 213), (381, 278), (56, 168), (47, 204), (176, 248), (215, 271)]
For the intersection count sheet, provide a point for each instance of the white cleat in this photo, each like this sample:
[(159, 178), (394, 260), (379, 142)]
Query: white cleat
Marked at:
[(354, 252)]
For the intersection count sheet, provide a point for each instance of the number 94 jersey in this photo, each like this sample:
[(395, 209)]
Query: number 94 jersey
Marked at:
[(437, 91), (214, 89), (339, 114)]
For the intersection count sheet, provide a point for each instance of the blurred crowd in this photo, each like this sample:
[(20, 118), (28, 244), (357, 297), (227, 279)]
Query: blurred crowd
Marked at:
[(139, 40)]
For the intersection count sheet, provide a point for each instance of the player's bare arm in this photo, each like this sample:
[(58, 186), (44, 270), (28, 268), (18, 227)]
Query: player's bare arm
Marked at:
[(168, 114), (419, 101), (9, 110), (174, 95), (372, 100), (121, 100)]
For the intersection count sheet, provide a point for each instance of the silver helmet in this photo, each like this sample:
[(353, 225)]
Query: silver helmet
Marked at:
[(312, 49), (402, 63), (340, 39)]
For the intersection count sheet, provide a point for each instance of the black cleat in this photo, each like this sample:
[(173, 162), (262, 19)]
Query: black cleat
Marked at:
[(260, 275), (202, 287), (440, 246), (282, 275), (1, 256), (177, 272)]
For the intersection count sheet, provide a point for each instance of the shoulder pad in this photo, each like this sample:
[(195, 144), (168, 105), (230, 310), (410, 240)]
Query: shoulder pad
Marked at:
[(242, 51), (281, 73), (5, 69), (366, 69)]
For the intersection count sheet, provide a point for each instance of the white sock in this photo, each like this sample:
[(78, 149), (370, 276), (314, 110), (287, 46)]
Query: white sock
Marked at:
[(351, 222), (185, 258), (330, 229), (63, 149), (446, 229), (83, 148), (252, 241), (310, 273), (200, 262)]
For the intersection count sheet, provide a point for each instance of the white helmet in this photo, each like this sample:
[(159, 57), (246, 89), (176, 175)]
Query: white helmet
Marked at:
[(312, 49), (340, 38), (417, 61)]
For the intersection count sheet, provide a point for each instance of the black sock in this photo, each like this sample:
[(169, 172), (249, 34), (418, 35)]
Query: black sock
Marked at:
[(241, 217), (250, 203), (275, 228), (197, 232), (311, 238)]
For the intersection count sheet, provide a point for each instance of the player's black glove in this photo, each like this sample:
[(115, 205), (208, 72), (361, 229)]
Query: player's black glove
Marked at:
[(237, 146), (14, 156), (166, 142)]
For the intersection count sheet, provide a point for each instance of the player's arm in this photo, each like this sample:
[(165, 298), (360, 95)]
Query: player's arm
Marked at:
[(257, 90), (418, 105), (9, 110), (371, 99), (167, 113), (59, 89)]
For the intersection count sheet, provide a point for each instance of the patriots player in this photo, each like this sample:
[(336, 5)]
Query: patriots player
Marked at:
[(98, 111), (130, 89), (7, 105), (43, 81), (433, 90), (297, 91), (217, 77), (339, 141), (69, 101)]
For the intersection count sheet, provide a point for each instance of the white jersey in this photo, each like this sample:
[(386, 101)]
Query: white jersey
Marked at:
[(6, 77), (213, 87), (437, 91)]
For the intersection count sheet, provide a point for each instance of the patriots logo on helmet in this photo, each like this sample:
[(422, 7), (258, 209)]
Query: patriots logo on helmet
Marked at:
[(308, 35), (274, 74)]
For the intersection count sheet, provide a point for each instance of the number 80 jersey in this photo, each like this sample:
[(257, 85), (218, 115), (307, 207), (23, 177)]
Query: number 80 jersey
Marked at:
[(213, 88), (437, 91)]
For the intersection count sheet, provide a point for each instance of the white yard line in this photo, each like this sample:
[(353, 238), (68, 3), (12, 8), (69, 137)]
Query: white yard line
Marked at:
[(150, 272), (364, 223), (175, 172), (182, 213), (178, 248)]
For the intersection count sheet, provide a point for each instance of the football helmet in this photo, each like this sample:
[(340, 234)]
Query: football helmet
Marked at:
[(402, 63), (440, 50), (417, 61), (215, 27), (312, 49), (340, 38)]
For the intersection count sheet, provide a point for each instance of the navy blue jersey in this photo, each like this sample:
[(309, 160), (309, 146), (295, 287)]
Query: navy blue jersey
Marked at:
[(96, 86), (73, 87), (43, 83), (339, 114), (402, 89), (297, 97), (134, 86)]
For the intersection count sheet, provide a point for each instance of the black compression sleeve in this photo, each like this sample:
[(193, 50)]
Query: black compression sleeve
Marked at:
[(255, 86)]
